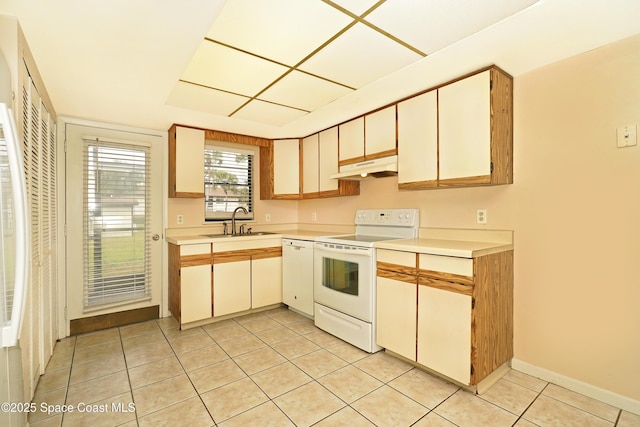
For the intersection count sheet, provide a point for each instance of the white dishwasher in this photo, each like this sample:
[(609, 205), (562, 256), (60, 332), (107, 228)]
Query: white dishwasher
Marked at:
[(297, 275)]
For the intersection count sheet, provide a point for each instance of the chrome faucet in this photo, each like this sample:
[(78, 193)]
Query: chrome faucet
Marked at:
[(233, 219)]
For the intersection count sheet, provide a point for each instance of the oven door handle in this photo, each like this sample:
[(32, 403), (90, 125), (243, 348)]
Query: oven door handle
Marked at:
[(357, 251)]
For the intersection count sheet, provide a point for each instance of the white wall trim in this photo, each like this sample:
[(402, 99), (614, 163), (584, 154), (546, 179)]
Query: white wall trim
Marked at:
[(606, 396)]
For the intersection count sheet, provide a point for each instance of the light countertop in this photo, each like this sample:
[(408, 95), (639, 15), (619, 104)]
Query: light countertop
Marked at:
[(286, 234), (445, 247)]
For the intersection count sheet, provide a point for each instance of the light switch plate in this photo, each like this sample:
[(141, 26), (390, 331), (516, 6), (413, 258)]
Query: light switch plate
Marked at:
[(627, 136)]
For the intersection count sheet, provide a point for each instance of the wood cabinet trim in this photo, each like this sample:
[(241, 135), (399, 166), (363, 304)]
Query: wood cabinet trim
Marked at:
[(264, 253), (446, 277), (193, 260), (352, 160), (232, 256), (492, 316), (402, 269), (246, 254), (458, 288), (418, 185)]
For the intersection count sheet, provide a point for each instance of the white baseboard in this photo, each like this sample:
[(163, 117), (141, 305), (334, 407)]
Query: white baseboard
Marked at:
[(588, 390)]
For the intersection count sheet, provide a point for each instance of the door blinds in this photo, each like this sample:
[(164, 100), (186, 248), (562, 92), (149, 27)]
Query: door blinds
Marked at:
[(116, 222)]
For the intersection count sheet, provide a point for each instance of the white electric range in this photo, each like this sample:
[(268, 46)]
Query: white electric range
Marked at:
[(345, 274)]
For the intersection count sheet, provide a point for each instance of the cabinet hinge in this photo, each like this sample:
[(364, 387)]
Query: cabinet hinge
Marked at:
[(473, 303), (490, 84), (472, 370), (491, 167), (179, 272)]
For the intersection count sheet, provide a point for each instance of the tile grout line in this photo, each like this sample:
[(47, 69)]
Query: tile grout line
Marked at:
[(187, 375), (529, 406)]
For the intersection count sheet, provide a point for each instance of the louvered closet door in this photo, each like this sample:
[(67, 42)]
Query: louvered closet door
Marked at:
[(40, 322), (114, 209)]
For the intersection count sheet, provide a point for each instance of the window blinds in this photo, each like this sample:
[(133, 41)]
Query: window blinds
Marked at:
[(228, 182), (116, 222)]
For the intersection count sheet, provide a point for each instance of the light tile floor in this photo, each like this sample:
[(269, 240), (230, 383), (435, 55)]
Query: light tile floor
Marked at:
[(276, 368)]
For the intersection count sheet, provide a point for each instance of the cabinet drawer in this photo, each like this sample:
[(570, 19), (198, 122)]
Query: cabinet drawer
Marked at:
[(201, 248), (407, 259), (447, 264)]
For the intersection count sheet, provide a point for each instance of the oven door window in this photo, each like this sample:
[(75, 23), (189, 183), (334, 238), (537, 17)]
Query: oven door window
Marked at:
[(340, 275)]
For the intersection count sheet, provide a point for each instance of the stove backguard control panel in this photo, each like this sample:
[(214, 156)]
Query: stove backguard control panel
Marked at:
[(388, 217)]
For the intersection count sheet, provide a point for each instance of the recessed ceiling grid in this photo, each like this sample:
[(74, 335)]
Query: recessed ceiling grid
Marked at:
[(273, 61)]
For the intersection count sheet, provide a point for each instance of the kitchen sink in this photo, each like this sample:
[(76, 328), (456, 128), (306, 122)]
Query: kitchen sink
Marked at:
[(254, 233)]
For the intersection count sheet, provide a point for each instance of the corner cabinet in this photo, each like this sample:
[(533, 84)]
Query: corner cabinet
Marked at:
[(292, 169), (473, 130), (456, 313), (186, 162)]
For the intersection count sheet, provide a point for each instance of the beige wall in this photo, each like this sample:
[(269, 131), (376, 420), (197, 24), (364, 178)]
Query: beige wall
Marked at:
[(575, 209)]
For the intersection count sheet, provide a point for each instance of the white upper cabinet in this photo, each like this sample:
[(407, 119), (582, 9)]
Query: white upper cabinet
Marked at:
[(418, 141), (310, 173), (352, 141), (286, 167), (465, 127), (186, 163), (328, 161), (380, 133)]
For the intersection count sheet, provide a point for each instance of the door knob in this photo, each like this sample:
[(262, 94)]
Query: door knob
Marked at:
[(156, 237)]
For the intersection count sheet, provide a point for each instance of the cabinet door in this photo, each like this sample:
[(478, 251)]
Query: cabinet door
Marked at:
[(380, 133), (396, 316), (444, 332), (351, 143), (286, 167), (418, 141), (465, 128), (195, 298), (188, 163), (231, 287), (266, 281), (328, 162), (310, 164)]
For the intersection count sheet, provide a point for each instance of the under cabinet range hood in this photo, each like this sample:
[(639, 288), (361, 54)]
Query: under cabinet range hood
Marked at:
[(377, 168)]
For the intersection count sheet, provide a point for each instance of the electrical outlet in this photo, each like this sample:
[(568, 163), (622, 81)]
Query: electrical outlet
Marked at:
[(267, 217), (314, 216), (481, 216), (627, 136), (180, 219)]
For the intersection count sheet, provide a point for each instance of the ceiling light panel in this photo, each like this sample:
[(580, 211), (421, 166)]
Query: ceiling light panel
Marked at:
[(359, 56), (228, 69), (435, 24), (303, 91), (265, 112), (199, 98), (285, 31)]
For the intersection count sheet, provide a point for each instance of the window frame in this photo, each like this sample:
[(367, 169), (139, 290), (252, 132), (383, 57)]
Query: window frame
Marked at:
[(218, 216)]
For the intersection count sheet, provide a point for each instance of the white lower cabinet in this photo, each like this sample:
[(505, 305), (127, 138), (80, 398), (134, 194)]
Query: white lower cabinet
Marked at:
[(451, 315), (266, 281), (231, 287), (396, 322), (190, 282), (444, 332), (196, 293), (246, 275)]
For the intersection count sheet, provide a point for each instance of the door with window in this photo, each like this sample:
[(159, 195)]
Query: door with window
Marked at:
[(114, 220)]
